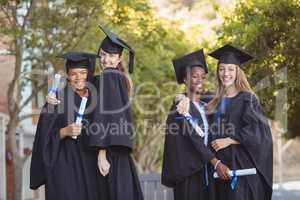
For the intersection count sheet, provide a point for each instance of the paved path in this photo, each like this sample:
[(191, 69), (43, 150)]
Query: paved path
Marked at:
[(286, 195)]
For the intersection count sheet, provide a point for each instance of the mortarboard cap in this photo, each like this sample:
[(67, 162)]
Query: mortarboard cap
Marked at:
[(80, 60), (113, 44), (196, 58), (230, 55)]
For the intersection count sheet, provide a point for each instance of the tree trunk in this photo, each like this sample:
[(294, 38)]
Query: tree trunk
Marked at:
[(16, 158), (14, 97), (18, 176)]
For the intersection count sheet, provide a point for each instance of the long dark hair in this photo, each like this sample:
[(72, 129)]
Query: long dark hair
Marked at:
[(121, 67)]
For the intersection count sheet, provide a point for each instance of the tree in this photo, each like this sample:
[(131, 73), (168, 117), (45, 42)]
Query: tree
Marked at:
[(39, 30), (35, 39), (269, 30)]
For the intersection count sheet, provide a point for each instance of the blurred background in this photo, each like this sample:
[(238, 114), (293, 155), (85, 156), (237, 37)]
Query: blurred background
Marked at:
[(33, 32)]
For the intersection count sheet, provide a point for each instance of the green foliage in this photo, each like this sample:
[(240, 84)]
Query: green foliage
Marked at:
[(269, 30), (156, 42), (54, 27)]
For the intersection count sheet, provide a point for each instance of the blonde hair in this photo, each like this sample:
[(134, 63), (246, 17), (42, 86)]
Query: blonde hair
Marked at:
[(241, 84)]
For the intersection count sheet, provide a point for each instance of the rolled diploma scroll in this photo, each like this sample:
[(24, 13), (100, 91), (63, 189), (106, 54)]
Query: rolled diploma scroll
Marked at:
[(80, 112), (240, 172), (197, 128), (55, 85)]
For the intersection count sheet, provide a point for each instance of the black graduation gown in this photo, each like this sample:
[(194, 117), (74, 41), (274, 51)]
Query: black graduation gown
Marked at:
[(245, 122), (66, 167), (185, 156), (112, 130)]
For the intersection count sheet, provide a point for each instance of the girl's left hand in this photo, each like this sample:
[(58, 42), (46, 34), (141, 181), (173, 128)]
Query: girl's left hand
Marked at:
[(103, 163), (222, 143)]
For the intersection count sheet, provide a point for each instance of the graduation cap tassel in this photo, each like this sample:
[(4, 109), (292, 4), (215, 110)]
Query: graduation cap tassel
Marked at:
[(131, 61)]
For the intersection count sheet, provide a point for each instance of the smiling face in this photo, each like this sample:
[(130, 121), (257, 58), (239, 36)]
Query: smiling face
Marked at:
[(195, 79), (78, 78), (227, 74), (109, 60)]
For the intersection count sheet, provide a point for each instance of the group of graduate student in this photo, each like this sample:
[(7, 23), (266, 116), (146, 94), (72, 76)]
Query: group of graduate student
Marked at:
[(92, 161), (88, 160), (226, 132)]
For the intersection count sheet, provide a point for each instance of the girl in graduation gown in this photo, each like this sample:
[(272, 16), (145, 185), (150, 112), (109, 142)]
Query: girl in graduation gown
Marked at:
[(241, 136), (111, 132), (65, 165), (187, 161)]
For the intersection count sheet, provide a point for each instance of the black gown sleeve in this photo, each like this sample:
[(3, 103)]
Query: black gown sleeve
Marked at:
[(256, 137), (44, 148), (184, 151), (112, 123), (52, 144)]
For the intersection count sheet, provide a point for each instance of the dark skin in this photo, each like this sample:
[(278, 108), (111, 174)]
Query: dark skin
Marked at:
[(194, 82), (77, 79)]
